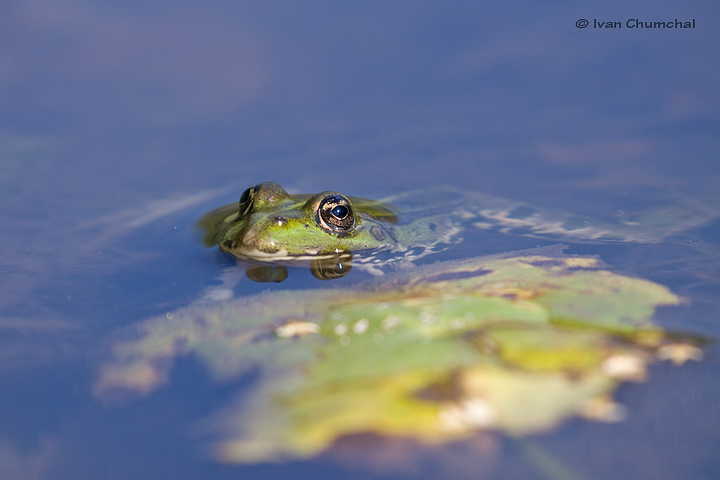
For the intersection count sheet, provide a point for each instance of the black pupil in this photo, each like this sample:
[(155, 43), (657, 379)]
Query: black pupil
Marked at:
[(341, 211), (335, 214)]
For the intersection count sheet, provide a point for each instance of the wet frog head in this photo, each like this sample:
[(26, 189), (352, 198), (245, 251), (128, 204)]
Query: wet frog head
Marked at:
[(270, 225)]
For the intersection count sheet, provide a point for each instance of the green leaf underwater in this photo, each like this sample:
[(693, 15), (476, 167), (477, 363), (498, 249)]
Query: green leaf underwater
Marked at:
[(512, 343)]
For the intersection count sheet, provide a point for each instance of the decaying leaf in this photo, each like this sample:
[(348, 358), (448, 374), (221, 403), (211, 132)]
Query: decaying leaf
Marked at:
[(513, 343)]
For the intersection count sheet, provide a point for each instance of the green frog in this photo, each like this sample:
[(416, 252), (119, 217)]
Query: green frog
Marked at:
[(271, 229), (270, 225)]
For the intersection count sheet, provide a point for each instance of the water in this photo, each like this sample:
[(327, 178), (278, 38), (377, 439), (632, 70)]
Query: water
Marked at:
[(122, 123)]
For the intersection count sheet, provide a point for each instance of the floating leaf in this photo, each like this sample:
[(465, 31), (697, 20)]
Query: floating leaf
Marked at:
[(514, 342)]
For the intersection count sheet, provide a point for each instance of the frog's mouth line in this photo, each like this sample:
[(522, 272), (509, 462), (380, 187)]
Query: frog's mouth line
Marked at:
[(283, 257)]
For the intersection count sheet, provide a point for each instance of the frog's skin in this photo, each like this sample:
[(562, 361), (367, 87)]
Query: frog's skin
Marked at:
[(270, 225)]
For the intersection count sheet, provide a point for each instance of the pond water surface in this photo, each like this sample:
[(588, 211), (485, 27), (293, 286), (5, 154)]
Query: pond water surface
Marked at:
[(121, 123)]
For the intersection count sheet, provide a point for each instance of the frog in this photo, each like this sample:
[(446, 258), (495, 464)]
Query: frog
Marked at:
[(268, 225), (270, 229)]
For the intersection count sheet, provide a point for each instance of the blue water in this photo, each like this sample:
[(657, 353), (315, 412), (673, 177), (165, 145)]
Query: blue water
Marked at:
[(122, 122)]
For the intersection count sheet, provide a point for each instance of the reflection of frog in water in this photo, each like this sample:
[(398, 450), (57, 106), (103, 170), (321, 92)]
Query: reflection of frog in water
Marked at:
[(272, 229)]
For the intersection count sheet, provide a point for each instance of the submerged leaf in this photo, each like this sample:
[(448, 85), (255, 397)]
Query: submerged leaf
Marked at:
[(514, 342)]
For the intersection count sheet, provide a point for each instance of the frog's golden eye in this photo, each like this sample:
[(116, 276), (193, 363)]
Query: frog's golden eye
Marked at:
[(246, 200), (335, 214)]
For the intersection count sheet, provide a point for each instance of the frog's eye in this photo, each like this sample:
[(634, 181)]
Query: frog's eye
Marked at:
[(246, 200), (335, 214)]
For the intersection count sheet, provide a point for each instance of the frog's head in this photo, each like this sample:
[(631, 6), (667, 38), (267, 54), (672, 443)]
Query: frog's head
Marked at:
[(271, 225)]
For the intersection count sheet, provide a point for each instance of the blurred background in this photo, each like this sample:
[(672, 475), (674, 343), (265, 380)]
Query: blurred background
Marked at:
[(122, 122)]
